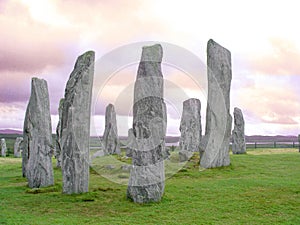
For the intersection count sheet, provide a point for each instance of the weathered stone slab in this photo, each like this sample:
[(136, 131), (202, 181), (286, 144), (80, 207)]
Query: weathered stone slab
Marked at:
[(37, 135), (3, 147), (218, 118), (146, 182), (299, 142), (203, 144), (190, 129), (24, 156), (17, 147), (131, 143), (75, 125), (238, 133), (58, 148), (185, 155), (110, 137)]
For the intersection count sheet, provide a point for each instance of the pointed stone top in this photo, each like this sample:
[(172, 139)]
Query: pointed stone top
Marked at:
[(85, 59), (211, 44), (237, 110), (36, 80), (39, 87), (110, 114), (109, 110), (87, 53), (238, 117), (153, 53), (110, 106)]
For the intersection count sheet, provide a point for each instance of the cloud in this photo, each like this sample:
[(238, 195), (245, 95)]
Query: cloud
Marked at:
[(283, 59), (14, 87), (269, 101), (28, 45), (12, 116)]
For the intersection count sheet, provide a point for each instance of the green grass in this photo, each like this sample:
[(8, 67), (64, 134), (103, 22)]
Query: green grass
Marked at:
[(257, 188)]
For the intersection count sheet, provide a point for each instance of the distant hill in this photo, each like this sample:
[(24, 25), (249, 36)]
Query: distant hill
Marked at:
[(10, 131), (253, 138), (278, 138)]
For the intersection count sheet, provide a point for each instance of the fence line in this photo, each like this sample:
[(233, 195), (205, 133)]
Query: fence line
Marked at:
[(272, 144)]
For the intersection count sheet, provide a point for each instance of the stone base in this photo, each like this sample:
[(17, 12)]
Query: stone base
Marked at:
[(146, 183), (146, 194), (185, 155)]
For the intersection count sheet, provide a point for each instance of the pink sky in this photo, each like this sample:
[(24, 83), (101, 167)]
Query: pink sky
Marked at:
[(43, 39)]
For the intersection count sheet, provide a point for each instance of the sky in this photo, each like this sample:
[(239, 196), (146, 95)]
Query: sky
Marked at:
[(43, 38)]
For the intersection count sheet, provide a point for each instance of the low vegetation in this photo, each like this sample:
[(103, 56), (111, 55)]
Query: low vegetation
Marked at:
[(260, 187)]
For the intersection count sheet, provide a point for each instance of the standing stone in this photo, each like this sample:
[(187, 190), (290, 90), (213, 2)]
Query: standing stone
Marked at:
[(58, 135), (218, 118), (37, 137), (24, 156), (17, 147), (130, 143), (238, 133), (146, 181), (299, 142), (190, 128), (75, 125), (3, 147), (110, 136)]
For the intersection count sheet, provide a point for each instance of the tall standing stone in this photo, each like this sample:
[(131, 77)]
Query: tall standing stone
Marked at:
[(24, 157), (218, 118), (146, 182), (299, 142), (37, 136), (190, 129), (75, 125), (3, 147), (110, 137), (17, 147), (58, 135), (130, 143), (238, 133)]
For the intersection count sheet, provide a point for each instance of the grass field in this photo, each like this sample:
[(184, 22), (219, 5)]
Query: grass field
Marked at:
[(261, 187)]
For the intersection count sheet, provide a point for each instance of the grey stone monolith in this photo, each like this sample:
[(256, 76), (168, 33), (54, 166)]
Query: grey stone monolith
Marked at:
[(17, 147), (146, 181), (218, 118), (131, 143), (24, 155), (58, 147), (37, 135), (110, 137), (238, 133), (3, 147), (190, 129), (75, 125), (299, 142)]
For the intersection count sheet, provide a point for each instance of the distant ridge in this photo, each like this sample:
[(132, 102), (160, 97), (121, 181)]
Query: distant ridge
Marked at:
[(10, 131), (257, 138), (252, 138)]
